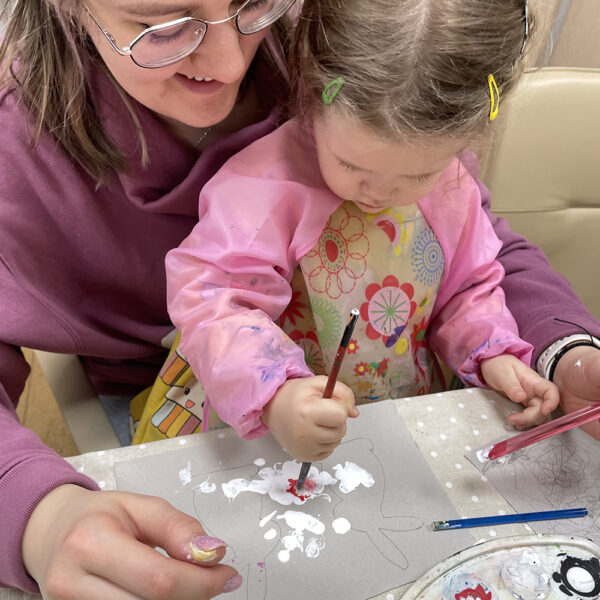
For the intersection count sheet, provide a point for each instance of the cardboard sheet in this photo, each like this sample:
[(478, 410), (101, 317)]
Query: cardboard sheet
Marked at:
[(364, 534)]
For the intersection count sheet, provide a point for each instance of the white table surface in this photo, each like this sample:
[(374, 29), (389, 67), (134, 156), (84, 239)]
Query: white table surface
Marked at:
[(445, 426)]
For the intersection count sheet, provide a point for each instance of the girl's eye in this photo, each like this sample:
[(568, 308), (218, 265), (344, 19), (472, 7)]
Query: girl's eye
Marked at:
[(347, 166), (423, 178)]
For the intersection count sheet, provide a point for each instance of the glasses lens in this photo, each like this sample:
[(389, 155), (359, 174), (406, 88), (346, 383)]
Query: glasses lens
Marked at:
[(167, 44), (258, 14)]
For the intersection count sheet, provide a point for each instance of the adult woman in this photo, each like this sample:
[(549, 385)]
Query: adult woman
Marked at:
[(127, 137)]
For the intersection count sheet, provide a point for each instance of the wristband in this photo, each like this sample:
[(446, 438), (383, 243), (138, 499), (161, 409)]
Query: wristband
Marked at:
[(548, 359)]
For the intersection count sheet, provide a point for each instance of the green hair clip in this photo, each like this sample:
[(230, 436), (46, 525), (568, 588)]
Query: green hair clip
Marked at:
[(332, 89)]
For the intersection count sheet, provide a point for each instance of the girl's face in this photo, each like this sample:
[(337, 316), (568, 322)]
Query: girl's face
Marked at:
[(373, 172), (178, 91)]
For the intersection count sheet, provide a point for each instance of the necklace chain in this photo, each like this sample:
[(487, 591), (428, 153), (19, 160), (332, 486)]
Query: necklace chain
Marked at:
[(201, 138)]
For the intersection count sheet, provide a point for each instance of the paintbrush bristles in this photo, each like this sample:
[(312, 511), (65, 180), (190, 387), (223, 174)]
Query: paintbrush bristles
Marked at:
[(303, 475)]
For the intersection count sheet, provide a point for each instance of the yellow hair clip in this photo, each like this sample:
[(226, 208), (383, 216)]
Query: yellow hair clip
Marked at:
[(494, 97), (332, 89)]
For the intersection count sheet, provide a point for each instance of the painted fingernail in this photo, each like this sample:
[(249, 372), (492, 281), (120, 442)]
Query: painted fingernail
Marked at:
[(233, 583), (204, 548)]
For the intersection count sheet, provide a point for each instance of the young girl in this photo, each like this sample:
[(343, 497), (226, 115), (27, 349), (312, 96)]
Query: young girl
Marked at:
[(368, 190)]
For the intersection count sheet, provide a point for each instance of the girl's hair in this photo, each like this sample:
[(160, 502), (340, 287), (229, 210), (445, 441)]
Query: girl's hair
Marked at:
[(412, 68), (44, 54)]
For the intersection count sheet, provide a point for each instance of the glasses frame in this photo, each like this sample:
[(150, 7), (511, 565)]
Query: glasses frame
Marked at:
[(128, 50)]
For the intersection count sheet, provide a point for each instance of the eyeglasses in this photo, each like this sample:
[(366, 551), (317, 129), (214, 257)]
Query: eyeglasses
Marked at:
[(166, 44)]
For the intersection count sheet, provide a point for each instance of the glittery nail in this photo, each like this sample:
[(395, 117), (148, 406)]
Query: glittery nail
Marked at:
[(233, 583), (203, 548)]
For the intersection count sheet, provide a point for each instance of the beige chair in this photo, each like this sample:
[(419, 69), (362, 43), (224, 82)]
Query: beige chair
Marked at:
[(80, 407), (544, 171)]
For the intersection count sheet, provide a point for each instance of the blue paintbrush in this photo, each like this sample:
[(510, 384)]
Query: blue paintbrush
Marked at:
[(545, 515)]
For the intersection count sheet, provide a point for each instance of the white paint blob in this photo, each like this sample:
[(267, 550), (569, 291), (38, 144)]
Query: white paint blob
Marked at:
[(260, 462), (299, 522), (266, 519), (314, 547), (351, 476), (341, 525), (483, 453), (185, 474), (434, 453), (283, 556), (182, 442), (274, 482), (207, 487), (270, 534)]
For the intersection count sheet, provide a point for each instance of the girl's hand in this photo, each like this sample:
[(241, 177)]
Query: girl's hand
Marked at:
[(307, 425), (100, 546), (509, 376)]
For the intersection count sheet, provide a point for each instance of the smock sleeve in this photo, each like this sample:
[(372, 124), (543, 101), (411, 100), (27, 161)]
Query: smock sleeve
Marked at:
[(470, 321), (230, 279)]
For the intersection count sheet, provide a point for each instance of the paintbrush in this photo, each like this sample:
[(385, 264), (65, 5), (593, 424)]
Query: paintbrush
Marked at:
[(333, 374), (545, 515), (541, 432)]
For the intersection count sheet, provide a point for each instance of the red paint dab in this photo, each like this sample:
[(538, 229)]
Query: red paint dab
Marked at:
[(307, 492), (479, 593)]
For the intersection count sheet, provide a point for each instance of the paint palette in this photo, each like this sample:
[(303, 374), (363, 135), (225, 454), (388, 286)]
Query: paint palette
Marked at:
[(528, 567)]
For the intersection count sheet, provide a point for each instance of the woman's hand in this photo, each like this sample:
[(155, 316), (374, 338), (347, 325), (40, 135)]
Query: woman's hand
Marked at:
[(577, 376), (307, 425), (100, 546), (513, 378)]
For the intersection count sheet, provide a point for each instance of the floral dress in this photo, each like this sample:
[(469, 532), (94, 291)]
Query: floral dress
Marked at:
[(388, 265)]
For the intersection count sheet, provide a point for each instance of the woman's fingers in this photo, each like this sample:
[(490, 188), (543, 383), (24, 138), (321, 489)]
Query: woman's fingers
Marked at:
[(142, 571)]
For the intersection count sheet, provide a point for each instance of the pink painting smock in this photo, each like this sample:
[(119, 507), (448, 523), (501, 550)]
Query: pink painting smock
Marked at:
[(265, 211)]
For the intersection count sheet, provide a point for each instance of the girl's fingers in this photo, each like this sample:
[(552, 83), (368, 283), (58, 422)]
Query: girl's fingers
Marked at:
[(549, 394), (531, 415), (329, 413)]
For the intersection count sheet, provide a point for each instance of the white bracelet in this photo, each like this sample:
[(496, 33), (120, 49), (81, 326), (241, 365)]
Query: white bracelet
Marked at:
[(546, 359)]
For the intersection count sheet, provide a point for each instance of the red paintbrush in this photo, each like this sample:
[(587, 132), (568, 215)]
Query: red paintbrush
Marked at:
[(541, 432)]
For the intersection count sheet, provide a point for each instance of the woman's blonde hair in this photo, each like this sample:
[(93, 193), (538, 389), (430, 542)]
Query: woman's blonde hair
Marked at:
[(411, 68), (43, 54)]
